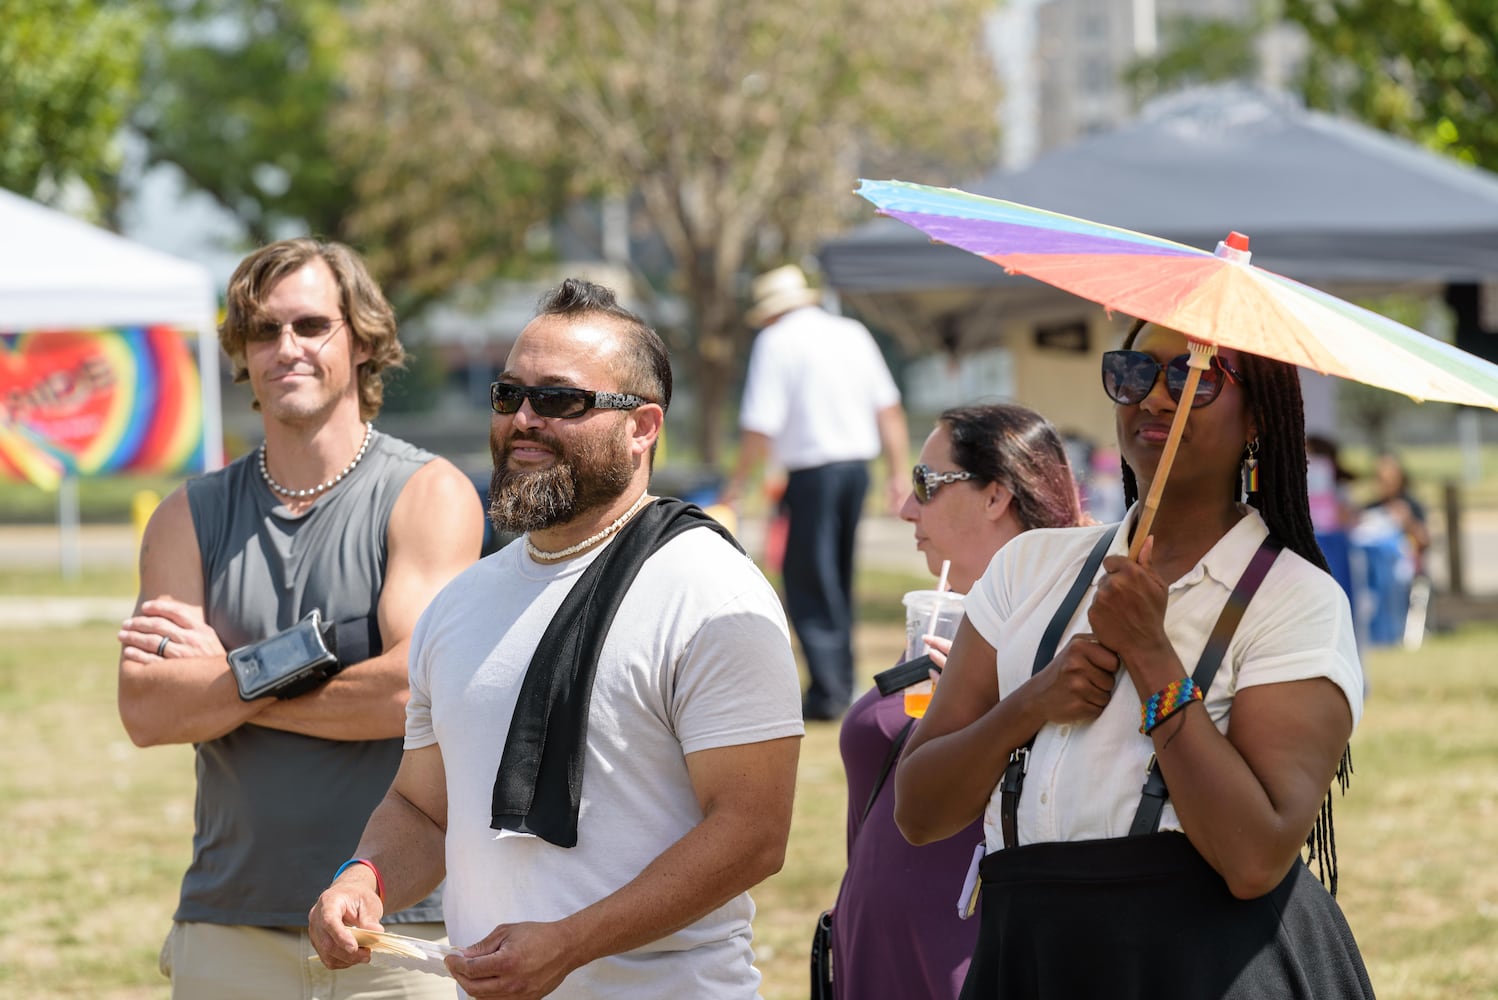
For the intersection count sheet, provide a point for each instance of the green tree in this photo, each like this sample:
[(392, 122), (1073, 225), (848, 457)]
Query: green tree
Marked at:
[(1196, 50), (739, 127), (1426, 69), (69, 74), (237, 96), (242, 96)]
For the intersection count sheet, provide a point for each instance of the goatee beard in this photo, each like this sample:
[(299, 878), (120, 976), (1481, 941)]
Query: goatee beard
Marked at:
[(531, 501), (595, 475)]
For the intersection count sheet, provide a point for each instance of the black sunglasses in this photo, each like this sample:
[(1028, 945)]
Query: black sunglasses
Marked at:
[(1129, 376), (306, 327), (558, 400), (925, 483)]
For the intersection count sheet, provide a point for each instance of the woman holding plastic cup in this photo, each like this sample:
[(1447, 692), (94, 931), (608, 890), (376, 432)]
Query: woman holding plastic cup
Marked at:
[(1151, 742), (985, 474)]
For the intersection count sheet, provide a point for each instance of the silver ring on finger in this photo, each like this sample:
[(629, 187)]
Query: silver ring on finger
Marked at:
[(161, 646)]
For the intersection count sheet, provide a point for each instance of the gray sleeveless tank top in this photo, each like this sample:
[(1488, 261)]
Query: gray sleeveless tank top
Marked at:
[(278, 812)]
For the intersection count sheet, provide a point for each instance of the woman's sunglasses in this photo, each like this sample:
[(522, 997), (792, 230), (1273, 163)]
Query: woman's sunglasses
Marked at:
[(925, 483), (554, 401), (1129, 376)]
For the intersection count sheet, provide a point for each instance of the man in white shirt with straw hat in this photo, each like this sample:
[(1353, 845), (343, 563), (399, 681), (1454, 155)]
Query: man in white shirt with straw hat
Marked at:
[(819, 398)]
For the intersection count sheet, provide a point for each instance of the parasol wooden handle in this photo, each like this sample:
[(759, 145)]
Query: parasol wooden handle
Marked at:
[(1201, 359)]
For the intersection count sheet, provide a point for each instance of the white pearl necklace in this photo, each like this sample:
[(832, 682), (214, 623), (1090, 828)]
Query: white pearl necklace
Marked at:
[(320, 487), (541, 555)]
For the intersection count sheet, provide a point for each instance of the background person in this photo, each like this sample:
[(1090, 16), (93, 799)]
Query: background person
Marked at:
[(1392, 537), (1333, 513), (1219, 904), (620, 869), (820, 397), (328, 514), (895, 927)]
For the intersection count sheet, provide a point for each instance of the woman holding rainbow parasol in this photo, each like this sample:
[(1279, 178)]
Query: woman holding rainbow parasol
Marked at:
[(1211, 899), (1149, 716)]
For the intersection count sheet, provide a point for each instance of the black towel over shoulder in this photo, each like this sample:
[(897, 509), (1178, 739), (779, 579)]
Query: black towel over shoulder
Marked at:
[(538, 789)]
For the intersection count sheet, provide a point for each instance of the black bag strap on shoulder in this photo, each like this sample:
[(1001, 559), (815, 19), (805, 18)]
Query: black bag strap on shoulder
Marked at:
[(888, 766), (1013, 780), (1154, 793), (538, 787)]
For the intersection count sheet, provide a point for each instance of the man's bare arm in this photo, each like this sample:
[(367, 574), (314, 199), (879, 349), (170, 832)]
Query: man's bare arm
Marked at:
[(405, 840), (436, 531), (894, 443), (187, 695), (754, 449), (745, 793)]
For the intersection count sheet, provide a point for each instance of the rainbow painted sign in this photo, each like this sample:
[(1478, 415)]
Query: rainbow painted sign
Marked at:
[(95, 402)]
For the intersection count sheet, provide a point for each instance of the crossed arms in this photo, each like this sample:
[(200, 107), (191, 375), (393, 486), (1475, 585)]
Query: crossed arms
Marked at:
[(189, 696)]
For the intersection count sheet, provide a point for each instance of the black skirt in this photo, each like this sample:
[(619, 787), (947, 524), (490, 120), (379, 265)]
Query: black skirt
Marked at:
[(1147, 917)]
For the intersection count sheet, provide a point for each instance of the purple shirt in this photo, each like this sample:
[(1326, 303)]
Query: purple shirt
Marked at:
[(895, 931)]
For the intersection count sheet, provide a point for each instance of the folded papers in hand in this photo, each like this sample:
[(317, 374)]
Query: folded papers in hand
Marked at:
[(396, 951)]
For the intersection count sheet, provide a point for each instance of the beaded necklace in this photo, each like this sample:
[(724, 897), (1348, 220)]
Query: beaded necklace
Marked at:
[(320, 487), (540, 555)]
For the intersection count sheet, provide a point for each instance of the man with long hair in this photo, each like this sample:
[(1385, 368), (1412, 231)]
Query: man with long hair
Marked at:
[(277, 599)]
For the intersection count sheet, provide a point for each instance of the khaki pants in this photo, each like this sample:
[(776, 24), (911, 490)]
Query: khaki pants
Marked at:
[(220, 962)]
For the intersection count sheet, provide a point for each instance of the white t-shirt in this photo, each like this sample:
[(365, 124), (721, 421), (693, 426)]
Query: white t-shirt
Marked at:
[(1083, 780), (698, 657), (815, 383)]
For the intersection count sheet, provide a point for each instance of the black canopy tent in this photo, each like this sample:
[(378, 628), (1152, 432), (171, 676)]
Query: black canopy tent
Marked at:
[(1326, 201)]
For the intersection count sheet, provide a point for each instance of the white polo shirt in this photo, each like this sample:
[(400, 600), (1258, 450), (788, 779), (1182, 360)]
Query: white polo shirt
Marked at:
[(1083, 780), (815, 383)]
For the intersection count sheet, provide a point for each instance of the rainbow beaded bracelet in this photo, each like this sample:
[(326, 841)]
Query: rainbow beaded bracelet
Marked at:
[(1166, 702)]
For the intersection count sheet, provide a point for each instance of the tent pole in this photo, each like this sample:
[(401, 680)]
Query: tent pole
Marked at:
[(1469, 433), (213, 417), (67, 524)]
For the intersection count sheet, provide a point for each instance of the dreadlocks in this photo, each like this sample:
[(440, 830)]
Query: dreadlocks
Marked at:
[(1272, 391)]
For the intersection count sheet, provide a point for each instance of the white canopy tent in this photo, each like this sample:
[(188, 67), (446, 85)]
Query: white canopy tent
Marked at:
[(57, 272)]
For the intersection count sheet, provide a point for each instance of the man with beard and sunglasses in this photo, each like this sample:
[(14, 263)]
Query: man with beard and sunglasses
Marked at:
[(604, 723), (295, 722)]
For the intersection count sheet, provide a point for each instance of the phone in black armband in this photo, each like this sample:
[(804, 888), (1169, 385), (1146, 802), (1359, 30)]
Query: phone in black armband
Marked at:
[(289, 663), (902, 675)]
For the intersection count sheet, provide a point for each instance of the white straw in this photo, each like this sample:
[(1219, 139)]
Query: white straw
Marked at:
[(941, 588)]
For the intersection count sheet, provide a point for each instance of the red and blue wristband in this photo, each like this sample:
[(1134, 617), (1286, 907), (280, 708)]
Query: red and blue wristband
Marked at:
[(379, 881)]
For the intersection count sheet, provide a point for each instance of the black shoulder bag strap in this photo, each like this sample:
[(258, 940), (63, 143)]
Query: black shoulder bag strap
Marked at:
[(889, 765), (1019, 761), (1154, 793)]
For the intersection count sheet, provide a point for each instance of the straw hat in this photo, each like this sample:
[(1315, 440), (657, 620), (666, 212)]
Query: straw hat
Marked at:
[(779, 291)]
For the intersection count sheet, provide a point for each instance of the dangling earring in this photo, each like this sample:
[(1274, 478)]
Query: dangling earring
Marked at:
[(1249, 470)]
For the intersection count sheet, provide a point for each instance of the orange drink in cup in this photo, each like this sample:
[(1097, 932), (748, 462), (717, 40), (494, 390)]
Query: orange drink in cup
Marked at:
[(918, 698), (927, 612)]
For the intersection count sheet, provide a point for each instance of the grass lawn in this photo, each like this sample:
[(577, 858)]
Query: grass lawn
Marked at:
[(101, 499), (98, 832)]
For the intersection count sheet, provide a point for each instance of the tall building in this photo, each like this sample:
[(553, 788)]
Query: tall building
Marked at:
[(1062, 62)]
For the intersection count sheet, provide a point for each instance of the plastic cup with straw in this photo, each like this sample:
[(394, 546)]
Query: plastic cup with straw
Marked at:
[(918, 695)]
